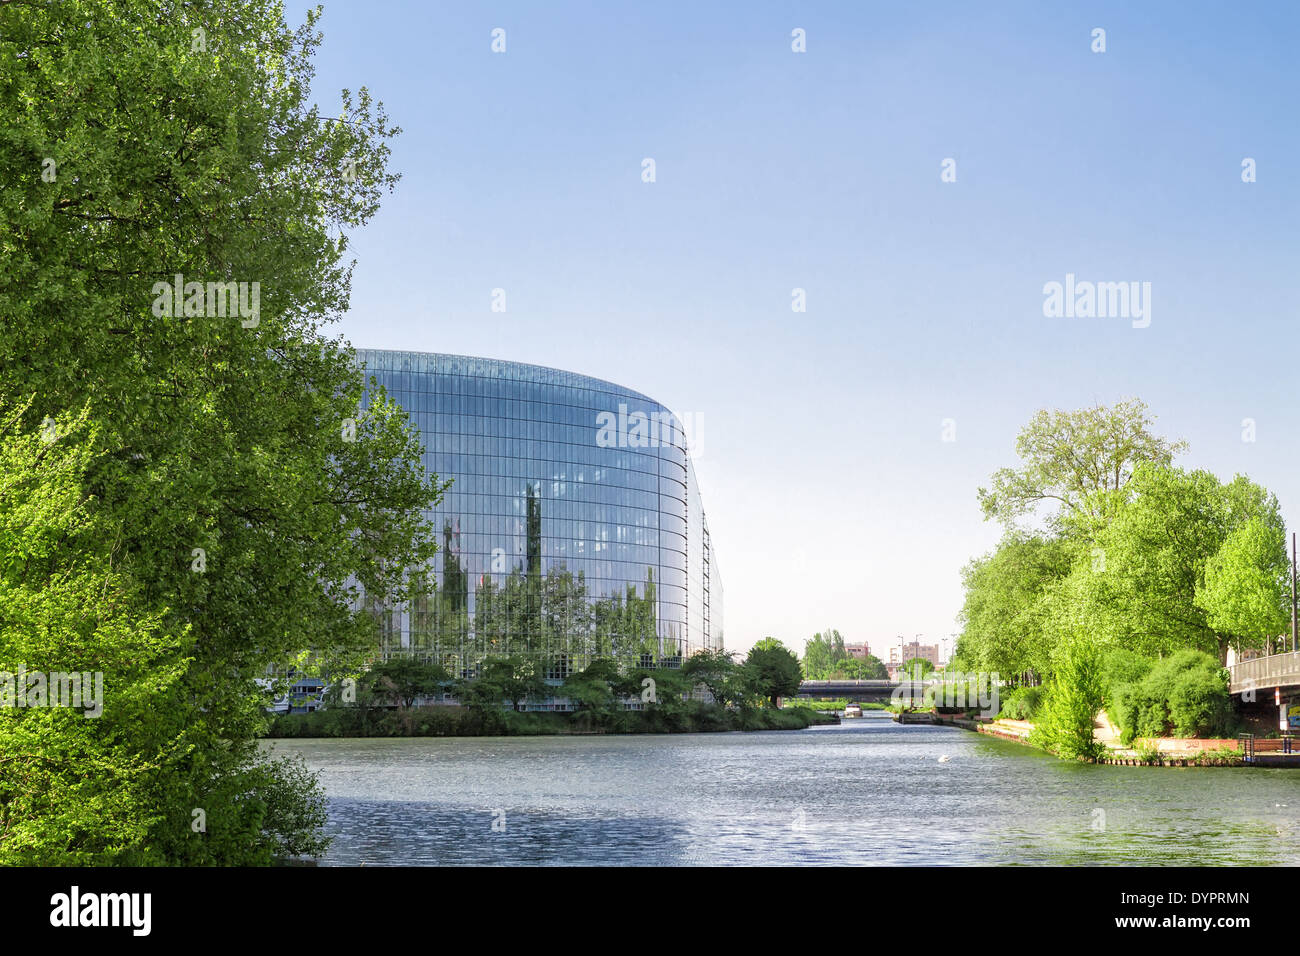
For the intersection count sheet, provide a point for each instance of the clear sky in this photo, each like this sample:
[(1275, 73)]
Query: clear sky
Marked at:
[(832, 498)]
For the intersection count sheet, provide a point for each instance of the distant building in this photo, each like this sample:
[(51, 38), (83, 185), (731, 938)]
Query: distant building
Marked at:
[(860, 651), (574, 529), (929, 652)]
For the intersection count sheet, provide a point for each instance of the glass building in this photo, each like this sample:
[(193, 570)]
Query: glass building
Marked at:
[(573, 528)]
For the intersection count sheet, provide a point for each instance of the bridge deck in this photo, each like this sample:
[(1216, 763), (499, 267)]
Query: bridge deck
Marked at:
[(1275, 670)]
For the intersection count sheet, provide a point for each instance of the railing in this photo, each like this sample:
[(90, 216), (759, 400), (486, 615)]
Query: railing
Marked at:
[(1276, 670), (1251, 746)]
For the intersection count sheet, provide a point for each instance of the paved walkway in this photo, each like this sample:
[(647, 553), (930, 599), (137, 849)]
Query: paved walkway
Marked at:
[(1106, 733)]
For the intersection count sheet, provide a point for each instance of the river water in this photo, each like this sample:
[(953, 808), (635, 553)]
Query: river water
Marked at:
[(866, 792)]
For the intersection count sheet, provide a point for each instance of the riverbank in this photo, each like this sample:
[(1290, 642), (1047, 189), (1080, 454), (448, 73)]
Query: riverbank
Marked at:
[(1149, 753), (442, 721)]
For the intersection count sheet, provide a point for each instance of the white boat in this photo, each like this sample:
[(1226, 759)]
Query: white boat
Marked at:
[(852, 710)]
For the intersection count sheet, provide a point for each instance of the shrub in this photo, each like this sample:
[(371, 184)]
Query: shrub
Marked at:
[(1148, 755), (1121, 708), (957, 697), (1199, 704), (1023, 703), (1184, 695), (1074, 696)]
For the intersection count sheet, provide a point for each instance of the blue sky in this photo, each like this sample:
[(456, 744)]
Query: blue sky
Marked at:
[(831, 497)]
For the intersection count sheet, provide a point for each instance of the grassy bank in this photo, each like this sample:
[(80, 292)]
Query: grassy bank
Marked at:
[(695, 717)]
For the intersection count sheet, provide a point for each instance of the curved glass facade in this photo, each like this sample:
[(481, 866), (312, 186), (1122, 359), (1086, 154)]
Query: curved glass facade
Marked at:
[(573, 527)]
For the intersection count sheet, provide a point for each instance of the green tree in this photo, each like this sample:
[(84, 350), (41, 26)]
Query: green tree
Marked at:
[(1075, 694), (851, 668), (817, 658), (479, 695), (1071, 461), (67, 603), (594, 689), (1119, 668), (515, 679), (1246, 582), (670, 687), (716, 670), (1179, 544), (918, 667), (838, 653), (251, 495), (1006, 618), (403, 679), (824, 654), (773, 670)]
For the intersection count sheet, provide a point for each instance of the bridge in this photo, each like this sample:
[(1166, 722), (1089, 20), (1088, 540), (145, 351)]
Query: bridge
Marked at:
[(1281, 671), (1263, 675), (860, 690)]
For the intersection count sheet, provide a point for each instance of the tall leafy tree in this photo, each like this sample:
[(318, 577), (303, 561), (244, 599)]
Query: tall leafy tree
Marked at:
[(817, 658), (1245, 582), (1006, 617), (402, 680), (838, 652), (1072, 460), (153, 147), (851, 668), (73, 785), (1189, 562), (917, 667)]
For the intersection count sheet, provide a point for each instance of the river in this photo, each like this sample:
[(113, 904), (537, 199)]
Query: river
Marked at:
[(866, 792)]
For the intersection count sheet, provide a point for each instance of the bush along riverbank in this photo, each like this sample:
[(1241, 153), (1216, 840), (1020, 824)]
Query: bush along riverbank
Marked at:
[(444, 721), (1165, 752), (1114, 707), (494, 701)]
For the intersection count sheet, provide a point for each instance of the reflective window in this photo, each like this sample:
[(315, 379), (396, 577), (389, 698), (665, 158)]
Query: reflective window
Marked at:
[(573, 528)]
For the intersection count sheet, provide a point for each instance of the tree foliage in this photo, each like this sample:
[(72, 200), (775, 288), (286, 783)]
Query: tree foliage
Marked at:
[(239, 520), (1245, 584), (1144, 556), (1070, 461), (1180, 542), (717, 671), (1074, 697), (1007, 620), (918, 667), (773, 670), (402, 680)]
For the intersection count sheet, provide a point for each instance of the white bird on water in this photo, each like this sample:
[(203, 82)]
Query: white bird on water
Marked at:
[(944, 759)]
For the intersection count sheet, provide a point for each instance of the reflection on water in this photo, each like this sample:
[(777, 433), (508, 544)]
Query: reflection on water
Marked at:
[(867, 792)]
